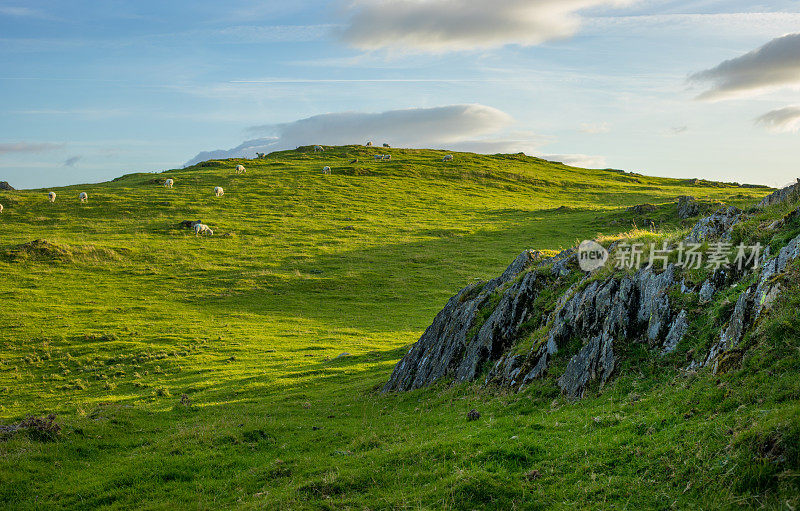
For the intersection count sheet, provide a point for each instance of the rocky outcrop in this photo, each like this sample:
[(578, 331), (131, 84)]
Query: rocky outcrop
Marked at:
[(688, 207), (717, 225), (449, 347), (510, 330), (782, 195), (5, 186), (641, 209)]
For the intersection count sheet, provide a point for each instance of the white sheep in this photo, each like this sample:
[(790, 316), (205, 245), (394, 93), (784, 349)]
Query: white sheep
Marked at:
[(318, 149), (202, 229), (168, 183), (369, 144), (240, 169), (448, 157), (52, 196), (218, 191), (83, 197), (326, 170), (1, 208)]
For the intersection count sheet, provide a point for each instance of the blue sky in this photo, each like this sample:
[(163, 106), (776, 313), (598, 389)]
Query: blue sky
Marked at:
[(90, 90)]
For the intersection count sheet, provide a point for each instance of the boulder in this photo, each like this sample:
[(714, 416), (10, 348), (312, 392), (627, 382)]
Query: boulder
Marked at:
[(688, 207), (715, 226), (641, 209), (5, 186)]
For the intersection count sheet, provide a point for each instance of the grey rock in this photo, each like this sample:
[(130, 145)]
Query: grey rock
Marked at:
[(732, 334), (715, 226), (782, 195), (446, 349), (688, 207), (595, 360), (5, 186), (707, 291), (642, 208), (676, 332)]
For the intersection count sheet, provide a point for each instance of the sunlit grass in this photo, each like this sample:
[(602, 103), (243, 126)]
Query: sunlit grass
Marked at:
[(129, 313)]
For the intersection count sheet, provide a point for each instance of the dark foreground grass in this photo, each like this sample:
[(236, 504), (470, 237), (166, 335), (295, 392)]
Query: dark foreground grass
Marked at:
[(202, 372)]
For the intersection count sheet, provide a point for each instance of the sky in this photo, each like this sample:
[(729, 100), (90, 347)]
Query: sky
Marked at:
[(91, 90)]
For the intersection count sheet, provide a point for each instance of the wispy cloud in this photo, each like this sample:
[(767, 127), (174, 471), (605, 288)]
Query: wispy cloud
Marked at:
[(578, 160), (677, 130), (595, 128), (270, 34), (455, 25), (71, 161), (766, 24), (772, 66), (782, 120), (20, 12), (28, 147)]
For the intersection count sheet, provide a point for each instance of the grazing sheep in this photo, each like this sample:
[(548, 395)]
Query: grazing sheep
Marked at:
[(189, 224), (369, 144), (168, 183), (218, 191), (83, 197), (202, 229), (326, 170), (448, 157), (386, 145), (318, 149), (52, 196), (260, 156), (240, 169), (1, 208), (383, 157)]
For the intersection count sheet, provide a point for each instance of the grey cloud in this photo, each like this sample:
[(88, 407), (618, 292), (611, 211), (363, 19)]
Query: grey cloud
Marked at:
[(781, 120), (71, 161), (774, 65), (28, 147), (413, 127), (453, 25)]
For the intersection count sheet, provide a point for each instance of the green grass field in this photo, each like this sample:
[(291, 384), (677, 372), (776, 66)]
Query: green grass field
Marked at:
[(124, 314)]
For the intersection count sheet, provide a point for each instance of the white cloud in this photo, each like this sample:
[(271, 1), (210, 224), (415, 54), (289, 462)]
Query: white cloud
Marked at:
[(28, 147), (454, 25), (413, 127), (782, 120), (473, 128), (774, 65)]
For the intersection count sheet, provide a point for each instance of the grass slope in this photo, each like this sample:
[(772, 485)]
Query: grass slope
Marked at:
[(121, 313)]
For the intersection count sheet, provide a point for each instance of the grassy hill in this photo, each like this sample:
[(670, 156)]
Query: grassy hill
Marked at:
[(203, 372)]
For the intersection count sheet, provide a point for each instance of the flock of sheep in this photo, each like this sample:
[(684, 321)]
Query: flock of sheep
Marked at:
[(201, 228), (378, 157)]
